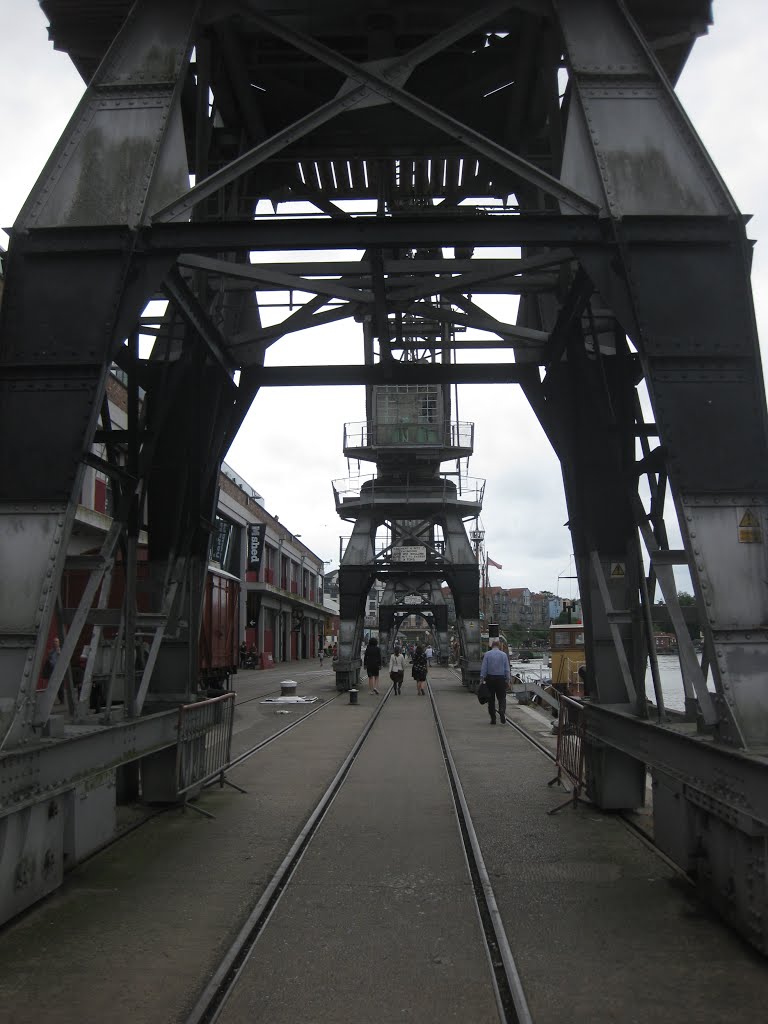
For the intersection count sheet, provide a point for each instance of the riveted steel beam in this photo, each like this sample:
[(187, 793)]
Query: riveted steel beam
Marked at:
[(432, 230), (380, 374), (692, 320), (400, 68), (384, 86)]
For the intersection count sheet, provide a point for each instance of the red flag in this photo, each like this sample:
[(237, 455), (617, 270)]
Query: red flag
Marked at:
[(491, 562)]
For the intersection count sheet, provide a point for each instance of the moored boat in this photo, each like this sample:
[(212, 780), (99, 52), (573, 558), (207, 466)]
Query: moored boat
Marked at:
[(567, 653)]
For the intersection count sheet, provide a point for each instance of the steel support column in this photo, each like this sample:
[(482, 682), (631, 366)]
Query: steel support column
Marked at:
[(121, 156)]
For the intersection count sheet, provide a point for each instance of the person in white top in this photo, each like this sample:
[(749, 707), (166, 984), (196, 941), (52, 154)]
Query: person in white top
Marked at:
[(397, 669), (429, 653)]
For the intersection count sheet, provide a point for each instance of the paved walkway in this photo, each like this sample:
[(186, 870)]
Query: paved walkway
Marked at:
[(378, 925)]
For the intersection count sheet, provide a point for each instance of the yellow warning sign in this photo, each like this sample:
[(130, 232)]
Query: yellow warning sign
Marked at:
[(618, 570), (750, 531)]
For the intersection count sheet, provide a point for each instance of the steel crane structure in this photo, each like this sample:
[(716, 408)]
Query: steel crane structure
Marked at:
[(528, 148), (419, 510)]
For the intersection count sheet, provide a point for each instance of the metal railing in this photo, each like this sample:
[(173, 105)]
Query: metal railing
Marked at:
[(568, 673), (204, 742), (444, 434), (570, 749), (469, 490)]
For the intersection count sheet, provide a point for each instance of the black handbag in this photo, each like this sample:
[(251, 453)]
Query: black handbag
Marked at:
[(483, 693)]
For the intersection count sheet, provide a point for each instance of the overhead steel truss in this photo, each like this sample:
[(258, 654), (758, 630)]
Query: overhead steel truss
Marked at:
[(215, 137), (413, 504)]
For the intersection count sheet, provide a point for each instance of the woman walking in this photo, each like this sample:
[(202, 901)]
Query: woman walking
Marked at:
[(372, 662), (419, 669), (397, 669)]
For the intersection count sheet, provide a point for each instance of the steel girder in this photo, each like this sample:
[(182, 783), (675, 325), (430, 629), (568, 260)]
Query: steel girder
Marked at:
[(395, 607), (64, 318), (356, 576), (455, 565), (431, 104), (689, 313)]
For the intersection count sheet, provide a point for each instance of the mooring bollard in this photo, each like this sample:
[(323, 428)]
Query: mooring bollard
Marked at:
[(288, 688), (353, 696)]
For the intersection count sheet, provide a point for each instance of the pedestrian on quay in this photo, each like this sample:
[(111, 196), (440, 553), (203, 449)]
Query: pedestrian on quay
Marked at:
[(397, 669), (322, 656), (243, 653), (419, 669), (429, 654), (372, 662), (494, 672), (51, 658), (50, 664)]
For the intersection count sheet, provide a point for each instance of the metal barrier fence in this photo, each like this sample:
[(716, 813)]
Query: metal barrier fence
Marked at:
[(205, 742), (570, 749)]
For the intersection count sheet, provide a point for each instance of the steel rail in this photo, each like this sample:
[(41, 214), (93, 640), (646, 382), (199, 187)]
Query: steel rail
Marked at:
[(215, 994), (624, 816), (510, 997), (156, 812), (258, 696), (531, 740), (291, 725)]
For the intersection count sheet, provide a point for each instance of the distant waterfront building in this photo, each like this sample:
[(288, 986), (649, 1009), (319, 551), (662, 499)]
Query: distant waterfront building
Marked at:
[(511, 607), (517, 606), (545, 609), (331, 585), (281, 593)]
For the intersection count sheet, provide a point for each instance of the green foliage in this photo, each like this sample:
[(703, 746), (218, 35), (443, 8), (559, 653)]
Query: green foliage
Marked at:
[(683, 597)]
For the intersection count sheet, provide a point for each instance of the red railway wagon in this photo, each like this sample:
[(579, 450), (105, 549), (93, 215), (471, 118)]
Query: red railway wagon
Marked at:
[(73, 583), (218, 632), (219, 628)]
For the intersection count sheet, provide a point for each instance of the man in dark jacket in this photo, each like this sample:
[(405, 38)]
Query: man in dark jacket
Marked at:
[(420, 669), (372, 662)]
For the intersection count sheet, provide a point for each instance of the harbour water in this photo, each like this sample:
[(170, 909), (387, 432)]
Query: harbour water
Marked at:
[(671, 680), (669, 674)]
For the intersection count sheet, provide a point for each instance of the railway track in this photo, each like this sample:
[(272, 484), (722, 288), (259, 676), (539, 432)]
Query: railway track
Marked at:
[(240, 758), (244, 755), (627, 818), (504, 979), (351, 882), (503, 975)]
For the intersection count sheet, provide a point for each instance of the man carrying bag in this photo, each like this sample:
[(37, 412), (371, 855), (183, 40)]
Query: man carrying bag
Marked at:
[(494, 672)]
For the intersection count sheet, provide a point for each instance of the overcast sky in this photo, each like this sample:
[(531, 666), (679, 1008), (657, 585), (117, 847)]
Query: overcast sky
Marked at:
[(290, 447)]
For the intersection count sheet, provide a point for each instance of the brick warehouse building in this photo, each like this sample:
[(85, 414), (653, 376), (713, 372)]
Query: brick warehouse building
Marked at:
[(281, 579)]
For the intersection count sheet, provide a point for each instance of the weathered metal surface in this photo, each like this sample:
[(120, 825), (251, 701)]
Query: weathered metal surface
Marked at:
[(464, 130)]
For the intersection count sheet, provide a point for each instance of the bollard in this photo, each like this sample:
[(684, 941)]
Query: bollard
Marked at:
[(353, 696), (288, 688)]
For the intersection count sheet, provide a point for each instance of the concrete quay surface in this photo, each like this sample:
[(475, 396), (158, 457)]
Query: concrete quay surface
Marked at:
[(378, 923)]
